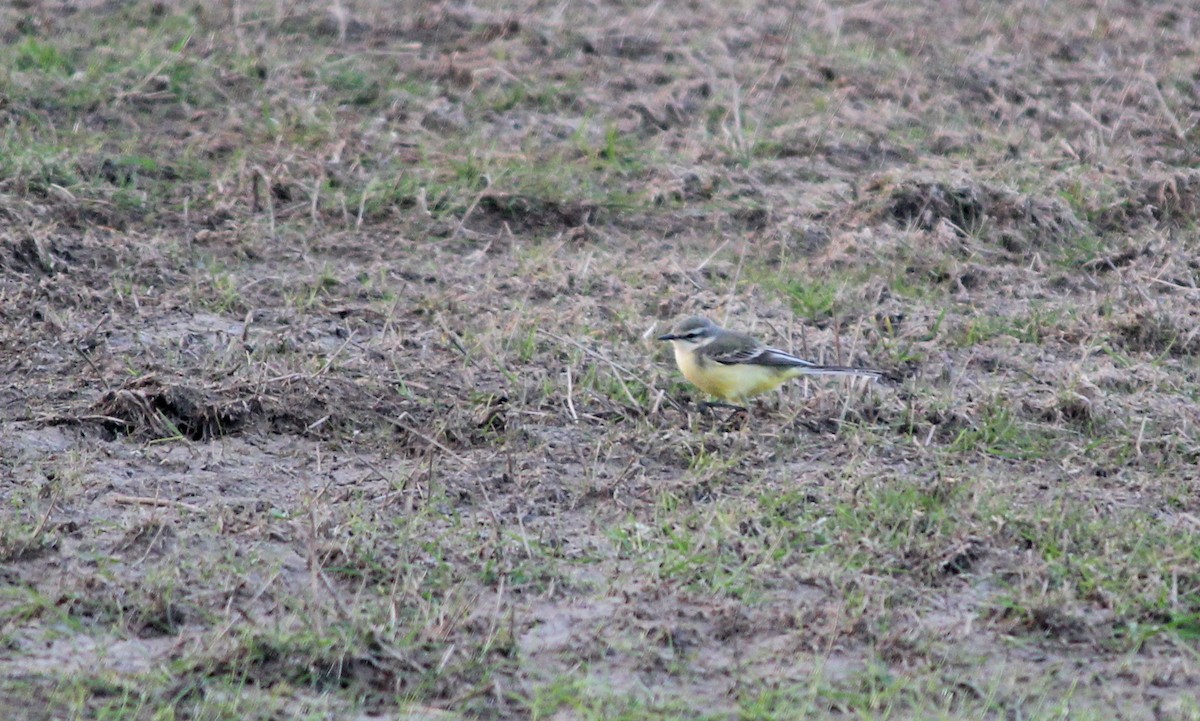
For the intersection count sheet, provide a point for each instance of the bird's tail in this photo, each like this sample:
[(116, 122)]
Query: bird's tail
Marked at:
[(820, 370)]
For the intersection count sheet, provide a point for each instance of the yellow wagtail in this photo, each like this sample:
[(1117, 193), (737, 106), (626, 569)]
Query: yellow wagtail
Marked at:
[(734, 366)]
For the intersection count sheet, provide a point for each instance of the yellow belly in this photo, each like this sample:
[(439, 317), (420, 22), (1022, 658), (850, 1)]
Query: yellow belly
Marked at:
[(733, 383)]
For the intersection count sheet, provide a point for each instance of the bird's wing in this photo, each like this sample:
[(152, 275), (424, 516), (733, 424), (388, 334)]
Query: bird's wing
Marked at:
[(780, 359), (735, 348)]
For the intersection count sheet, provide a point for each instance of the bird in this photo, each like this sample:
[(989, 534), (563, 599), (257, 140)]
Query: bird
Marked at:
[(735, 367)]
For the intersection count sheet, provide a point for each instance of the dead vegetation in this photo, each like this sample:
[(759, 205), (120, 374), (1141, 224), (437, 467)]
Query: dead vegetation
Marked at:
[(331, 389)]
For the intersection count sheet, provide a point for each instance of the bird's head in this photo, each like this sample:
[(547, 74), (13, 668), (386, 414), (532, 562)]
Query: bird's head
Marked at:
[(691, 332)]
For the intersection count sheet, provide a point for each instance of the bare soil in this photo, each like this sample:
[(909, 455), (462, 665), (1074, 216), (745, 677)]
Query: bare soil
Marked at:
[(329, 387)]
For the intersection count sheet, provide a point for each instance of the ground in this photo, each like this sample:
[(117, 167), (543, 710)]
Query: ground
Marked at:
[(330, 387)]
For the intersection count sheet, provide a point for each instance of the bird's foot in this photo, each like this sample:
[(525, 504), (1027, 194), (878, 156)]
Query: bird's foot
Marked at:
[(736, 419)]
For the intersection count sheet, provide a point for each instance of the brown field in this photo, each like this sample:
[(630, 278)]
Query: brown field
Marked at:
[(330, 390)]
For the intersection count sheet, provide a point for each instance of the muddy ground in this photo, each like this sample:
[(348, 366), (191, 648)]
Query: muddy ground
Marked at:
[(329, 384)]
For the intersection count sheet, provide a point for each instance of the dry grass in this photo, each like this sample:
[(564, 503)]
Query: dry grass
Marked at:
[(332, 388)]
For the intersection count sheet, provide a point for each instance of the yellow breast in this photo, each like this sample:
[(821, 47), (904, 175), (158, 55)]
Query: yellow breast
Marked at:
[(733, 382)]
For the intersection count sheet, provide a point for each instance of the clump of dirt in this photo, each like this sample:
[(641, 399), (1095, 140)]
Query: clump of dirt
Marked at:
[(1014, 221), (1113, 261), (526, 213), (149, 408), (1173, 197), (32, 254), (1067, 407), (1051, 621), (924, 203), (1159, 332)]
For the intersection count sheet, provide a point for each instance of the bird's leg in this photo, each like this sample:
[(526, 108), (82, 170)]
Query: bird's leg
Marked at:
[(709, 405), (737, 420), (735, 411)]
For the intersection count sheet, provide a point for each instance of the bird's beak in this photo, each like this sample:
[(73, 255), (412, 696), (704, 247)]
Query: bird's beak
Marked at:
[(668, 336)]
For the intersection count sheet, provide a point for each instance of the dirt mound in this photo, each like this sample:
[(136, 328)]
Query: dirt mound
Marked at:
[(150, 409), (1014, 221)]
